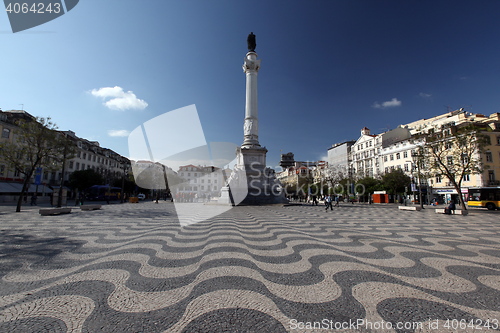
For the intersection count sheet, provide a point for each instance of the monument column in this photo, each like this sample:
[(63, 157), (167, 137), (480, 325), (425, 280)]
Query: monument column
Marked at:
[(251, 182), (251, 68)]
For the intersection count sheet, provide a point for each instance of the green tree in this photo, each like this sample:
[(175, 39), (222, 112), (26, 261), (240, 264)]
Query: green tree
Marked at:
[(370, 185), (395, 181), (454, 152), (83, 179), (37, 143)]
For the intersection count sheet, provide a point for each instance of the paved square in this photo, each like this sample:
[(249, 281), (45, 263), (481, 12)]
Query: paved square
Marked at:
[(358, 268)]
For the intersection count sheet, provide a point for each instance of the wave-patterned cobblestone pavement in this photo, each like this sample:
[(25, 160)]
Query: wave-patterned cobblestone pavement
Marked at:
[(132, 268)]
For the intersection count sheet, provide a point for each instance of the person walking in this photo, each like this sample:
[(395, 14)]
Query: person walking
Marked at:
[(337, 200), (328, 202), (33, 200), (314, 200), (451, 208)]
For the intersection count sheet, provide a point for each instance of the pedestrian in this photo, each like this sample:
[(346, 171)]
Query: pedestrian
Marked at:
[(328, 202), (33, 200), (314, 200), (451, 207), (337, 200)]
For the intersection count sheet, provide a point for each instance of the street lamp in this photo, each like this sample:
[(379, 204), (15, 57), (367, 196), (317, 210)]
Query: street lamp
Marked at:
[(125, 173), (411, 174), (415, 156)]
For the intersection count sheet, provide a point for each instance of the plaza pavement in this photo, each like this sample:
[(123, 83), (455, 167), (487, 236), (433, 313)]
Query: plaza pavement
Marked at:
[(358, 268)]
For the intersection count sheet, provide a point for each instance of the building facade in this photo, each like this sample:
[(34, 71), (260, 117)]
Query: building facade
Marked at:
[(89, 155)]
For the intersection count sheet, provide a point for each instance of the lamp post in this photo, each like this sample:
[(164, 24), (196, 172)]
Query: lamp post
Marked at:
[(411, 176), (125, 173), (414, 155), (63, 171)]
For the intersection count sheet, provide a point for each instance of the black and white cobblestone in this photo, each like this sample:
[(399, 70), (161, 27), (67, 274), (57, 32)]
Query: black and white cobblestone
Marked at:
[(133, 268)]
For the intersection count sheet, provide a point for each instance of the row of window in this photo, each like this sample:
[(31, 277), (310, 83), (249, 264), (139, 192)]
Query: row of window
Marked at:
[(367, 144), (397, 155), (202, 181), (95, 158), (209, 174), (195, 188)]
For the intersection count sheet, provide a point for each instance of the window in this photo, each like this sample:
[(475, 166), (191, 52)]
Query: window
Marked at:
[(84, 156), (405, 154), (398, 156), (406, 167), (438, 179), (465, 159), (498, 140), (77, 166), (449, 160), (385, 158), (71, 164), (489, 156), (6, 133), (491, 175), (392, 157), (466, 178), (2, 170), (196, 174), (83, 166), (448, 145)]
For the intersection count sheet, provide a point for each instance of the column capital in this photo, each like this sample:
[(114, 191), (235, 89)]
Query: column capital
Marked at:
[(251, 63)]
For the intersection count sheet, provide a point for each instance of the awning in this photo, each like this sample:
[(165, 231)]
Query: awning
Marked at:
[(17, 187)]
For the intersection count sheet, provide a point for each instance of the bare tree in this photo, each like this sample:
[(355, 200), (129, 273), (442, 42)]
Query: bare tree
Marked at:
[(332, 175), (36, 144), (454, 152)]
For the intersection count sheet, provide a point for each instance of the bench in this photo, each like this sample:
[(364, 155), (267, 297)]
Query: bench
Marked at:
[(410, 208), (453, 212), (90, 207), (54, 211)]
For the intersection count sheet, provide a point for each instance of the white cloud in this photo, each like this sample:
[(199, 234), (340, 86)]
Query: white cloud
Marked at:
[(119, 99), (387, 104), (118, 133), (425, 95)]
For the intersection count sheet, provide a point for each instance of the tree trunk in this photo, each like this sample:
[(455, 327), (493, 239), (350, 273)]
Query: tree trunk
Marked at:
[(459, 191), (23, 191)]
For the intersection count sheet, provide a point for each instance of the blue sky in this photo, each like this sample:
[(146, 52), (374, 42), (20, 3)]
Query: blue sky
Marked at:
[(328, 68)]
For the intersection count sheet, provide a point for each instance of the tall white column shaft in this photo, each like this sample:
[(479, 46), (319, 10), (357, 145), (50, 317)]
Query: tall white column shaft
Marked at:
[(251, 67)]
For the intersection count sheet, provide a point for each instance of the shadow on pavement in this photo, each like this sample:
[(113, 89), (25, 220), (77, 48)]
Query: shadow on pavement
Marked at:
[(18, 248)]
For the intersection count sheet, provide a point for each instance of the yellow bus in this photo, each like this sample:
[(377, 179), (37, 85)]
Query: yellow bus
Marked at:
[(488, 197)]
